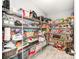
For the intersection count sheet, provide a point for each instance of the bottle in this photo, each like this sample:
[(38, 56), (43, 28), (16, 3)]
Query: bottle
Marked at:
[(30, 14)]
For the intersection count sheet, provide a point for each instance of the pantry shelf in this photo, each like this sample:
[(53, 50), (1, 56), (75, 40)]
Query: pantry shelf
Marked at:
[(24, 48), (15, 15), (8, 26), (31, 19), (60, 28)]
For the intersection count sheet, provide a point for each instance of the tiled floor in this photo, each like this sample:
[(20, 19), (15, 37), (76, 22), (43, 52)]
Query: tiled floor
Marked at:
[(52, 53)]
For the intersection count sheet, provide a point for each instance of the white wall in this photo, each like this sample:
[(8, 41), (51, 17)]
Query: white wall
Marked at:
[(62, 14), (55, 8), (25, 4)]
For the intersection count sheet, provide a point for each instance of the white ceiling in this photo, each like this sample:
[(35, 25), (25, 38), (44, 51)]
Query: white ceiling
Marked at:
[(50, 8), (53, 7)]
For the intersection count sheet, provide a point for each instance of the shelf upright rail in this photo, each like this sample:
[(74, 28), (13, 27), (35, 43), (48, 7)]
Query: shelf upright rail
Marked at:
[(22, 32)]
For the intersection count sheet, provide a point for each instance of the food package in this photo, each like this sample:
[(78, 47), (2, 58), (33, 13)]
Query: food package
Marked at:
[(18, 30), (33, 14), (32, 50), (43, 26), (38, 47), (59, 45), (19, 44), (17, 37), (10, 45), (41, 39), (12, 33), (29, 34), (7, 35), (7, 20), (24, 12), (17, 23), (11, 21), (27, 14), (40, 33)]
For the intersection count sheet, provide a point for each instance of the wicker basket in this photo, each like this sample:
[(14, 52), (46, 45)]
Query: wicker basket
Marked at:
[(7, 54)]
